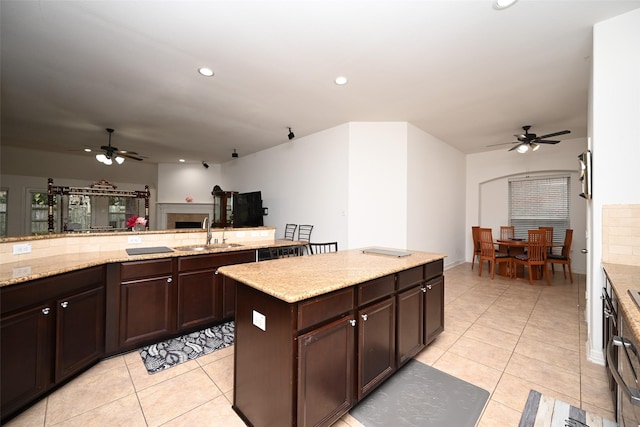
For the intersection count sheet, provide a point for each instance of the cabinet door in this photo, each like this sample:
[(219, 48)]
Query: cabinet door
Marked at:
[(199, 299), (410, 323), (325, 373), (228, 297), (434, 309), (376, 344), (79, 331), (146, 311), (26, 350)]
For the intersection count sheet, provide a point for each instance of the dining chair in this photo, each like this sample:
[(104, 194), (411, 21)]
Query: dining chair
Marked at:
[(284, 252), (549, 236), (507, 232), (565, 257), (536, 256), (321, 248), (488, 253), (304, 235), (475, 234), (290, 231)]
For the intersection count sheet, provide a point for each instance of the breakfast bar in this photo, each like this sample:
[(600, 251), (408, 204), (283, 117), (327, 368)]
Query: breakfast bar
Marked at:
[(316, 334)]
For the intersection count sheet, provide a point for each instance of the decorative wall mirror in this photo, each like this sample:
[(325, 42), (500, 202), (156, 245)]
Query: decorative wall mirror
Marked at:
[(98, 207)]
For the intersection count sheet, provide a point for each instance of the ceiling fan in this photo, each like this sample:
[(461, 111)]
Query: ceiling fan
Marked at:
[(110, 151), (530, 141)]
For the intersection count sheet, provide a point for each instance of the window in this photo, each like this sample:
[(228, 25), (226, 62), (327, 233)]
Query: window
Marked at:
[(40, 213), (539, 202), (3, 213)]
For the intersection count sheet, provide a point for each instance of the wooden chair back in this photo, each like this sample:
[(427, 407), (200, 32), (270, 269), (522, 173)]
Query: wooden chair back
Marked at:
[(537, 246), (487, 247), (566, 247), (507, 232), (475, 234)]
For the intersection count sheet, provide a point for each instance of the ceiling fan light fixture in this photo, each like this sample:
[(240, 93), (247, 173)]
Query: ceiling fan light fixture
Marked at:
[(108, 162), (120, 160), (101, 158), (503, 4), (522, 148), (534, 146)]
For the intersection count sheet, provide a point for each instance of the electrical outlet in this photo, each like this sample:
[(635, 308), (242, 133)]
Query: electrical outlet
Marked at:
[(264, 233), (134, 239), (260, 320), (22, 248), (22, 271)]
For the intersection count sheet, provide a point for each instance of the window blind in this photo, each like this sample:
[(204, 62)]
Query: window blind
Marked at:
[(539, 202)]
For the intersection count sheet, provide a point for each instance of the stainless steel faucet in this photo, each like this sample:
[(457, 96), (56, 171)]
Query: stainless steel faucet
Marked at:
[(205, 225)]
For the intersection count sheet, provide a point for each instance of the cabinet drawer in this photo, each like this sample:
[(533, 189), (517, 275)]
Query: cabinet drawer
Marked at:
[(211, 261), (433, 269), (316, 310), (375, 289), (143, 269), (410, 277)]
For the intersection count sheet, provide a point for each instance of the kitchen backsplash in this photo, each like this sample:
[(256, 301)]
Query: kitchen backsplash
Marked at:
[(621, 234)]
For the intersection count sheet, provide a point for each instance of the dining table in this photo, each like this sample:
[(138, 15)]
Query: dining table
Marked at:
[(514, 247)]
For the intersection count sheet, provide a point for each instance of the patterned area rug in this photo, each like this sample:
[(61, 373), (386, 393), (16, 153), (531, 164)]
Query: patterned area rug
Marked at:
[(543, 411), (165, 354), (420, 395)]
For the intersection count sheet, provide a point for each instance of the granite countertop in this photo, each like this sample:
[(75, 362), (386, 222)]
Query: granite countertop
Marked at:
[(298, 278), (12, 273), (622, 278)]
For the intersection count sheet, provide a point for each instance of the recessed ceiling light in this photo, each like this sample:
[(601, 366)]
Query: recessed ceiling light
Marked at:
[(341, 80), (181, 160), (503, 4), (207, 72), (87, 150)]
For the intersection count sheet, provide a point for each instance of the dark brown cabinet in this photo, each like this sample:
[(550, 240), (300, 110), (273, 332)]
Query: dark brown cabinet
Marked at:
[(50, 330), (307, 363), (146, 302), (376, 344), (326, 365), (204, 297), (434, 308)]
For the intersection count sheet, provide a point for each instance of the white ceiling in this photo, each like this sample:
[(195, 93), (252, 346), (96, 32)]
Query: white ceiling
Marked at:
[(460, 70)]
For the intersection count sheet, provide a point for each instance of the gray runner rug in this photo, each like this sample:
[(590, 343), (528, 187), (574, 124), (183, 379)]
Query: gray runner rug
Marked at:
[(419, 395), (165, 354)]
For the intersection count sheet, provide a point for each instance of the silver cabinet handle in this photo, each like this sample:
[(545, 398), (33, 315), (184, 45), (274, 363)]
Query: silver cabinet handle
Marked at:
[(353, 322), (429, 287), (584, 251), (46, 310), (216, 272), (364, 317), (64, 304), (423, 289), (169, 280)]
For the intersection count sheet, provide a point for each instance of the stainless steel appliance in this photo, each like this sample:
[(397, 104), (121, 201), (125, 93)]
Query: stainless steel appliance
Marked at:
[(626, 372)]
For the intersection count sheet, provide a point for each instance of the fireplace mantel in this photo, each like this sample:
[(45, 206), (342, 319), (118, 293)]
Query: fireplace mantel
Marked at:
[(182, 211)]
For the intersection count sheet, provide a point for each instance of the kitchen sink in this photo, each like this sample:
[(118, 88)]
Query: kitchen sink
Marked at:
[(197, 248)]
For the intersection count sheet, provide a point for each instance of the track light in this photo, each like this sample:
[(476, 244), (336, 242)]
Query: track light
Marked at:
[(291, 135), (205, 164), (234, 154)]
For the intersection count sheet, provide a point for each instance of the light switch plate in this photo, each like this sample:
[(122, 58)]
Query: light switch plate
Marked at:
[(22, 248), (260, 320)]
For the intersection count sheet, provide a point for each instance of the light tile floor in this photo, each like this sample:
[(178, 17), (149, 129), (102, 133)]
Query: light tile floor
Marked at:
[(503, 335)]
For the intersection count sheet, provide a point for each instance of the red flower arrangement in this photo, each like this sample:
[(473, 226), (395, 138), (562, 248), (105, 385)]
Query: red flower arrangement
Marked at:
[(134, 220)]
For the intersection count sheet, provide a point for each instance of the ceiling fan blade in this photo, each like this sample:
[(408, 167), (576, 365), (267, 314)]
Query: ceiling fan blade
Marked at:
[(130, 156), (515, 147), (502, 143), (562, 132), (545, 142)]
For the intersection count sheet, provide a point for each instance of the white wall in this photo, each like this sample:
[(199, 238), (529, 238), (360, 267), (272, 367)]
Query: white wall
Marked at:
[(435, 196), (377, 181), (176, 181), (487, 188), (615, 141), (303, 181)]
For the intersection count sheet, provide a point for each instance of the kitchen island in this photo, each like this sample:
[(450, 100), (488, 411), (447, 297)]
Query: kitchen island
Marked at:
[(316, 334)]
